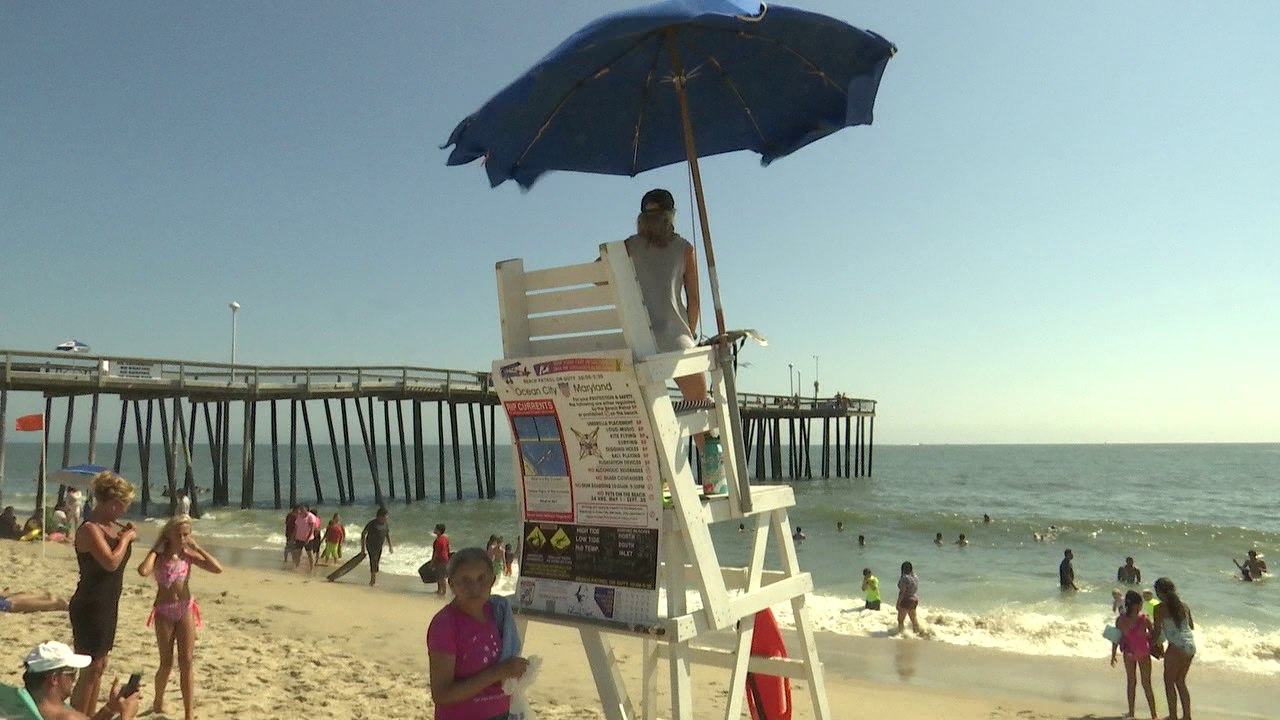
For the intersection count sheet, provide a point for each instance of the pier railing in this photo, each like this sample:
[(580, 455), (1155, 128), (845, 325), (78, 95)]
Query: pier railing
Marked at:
[(181, 392), (75, 372)]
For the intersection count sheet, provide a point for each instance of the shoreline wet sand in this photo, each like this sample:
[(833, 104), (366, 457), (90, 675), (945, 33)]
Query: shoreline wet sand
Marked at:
[(275, 638)]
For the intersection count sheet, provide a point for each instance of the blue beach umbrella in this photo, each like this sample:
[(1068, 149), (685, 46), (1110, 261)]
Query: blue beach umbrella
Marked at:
[(76, 476), (673, 82)]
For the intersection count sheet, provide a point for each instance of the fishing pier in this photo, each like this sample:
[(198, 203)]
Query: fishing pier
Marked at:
[(195, 403)]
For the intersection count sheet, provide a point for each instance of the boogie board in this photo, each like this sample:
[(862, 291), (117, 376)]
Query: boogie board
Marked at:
[(348, 567), (768, 696)]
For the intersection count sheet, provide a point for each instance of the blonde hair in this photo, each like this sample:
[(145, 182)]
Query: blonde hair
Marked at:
[(658, 228), (108, 486), (173, 522)]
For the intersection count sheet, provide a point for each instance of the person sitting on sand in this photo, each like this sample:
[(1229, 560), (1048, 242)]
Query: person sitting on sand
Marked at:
[(51, 669), (9, 527), (175, 613), (32, 602), (1253, 567), (464, 644)]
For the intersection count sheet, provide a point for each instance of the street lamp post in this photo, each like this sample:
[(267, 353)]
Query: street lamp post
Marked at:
[(791, 380), (234, 307), (815, 378)]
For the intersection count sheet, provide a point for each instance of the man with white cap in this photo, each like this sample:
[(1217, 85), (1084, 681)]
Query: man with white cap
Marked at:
[(51, 674)]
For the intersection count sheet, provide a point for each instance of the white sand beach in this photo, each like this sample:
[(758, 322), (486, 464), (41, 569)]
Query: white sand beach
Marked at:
[(274, 641)]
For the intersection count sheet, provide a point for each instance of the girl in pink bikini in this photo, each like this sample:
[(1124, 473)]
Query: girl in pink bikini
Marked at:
[(1135, 643), (175, 614)]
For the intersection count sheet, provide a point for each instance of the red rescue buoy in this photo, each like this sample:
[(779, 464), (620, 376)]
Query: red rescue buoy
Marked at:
[(768, 696)]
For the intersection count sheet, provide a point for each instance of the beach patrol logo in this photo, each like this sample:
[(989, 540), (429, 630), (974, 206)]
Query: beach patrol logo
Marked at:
[(514, 370), (588, 443)]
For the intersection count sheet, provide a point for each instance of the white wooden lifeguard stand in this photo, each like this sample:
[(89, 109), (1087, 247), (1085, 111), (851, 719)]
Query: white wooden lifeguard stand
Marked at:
[(598, 306)]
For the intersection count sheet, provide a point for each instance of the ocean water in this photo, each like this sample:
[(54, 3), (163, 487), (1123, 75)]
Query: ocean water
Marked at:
[(1182, 511)]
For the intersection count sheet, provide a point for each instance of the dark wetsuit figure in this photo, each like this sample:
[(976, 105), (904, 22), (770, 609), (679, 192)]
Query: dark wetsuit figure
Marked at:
[(96, 603), (376, 532)]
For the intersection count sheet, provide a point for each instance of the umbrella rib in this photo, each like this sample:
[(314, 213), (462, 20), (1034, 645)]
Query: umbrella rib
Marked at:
[(573, 91), (733, 87), (801, 57), (644, 102)]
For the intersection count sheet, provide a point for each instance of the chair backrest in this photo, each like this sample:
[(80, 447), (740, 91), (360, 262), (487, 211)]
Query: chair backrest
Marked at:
[(574, 308)]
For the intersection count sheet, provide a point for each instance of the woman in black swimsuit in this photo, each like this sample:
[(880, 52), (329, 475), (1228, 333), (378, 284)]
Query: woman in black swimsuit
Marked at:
[(102, 551)]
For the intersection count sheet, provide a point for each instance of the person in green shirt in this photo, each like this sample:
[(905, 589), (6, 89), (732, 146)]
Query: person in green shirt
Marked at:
[(1149, 603), (871, 586)]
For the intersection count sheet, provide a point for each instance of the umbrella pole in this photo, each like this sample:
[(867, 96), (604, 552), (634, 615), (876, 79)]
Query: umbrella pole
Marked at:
[(724, 352), (691, 154)]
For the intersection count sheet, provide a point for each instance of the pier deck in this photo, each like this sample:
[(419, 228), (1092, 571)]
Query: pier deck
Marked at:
[(177, 390)]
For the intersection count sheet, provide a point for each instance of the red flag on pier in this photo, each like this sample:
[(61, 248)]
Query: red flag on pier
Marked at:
[(30, 423)]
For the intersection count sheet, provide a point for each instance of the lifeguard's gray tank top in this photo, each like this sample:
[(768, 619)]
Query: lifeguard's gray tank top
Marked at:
[(660, 272)]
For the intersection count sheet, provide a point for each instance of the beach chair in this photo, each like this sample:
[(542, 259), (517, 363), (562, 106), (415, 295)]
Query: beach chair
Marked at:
[(598, 307), (16, 704)]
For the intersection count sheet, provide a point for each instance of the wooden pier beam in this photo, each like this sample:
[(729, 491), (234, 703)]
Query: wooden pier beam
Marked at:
[(440, 444), (346, 446), (419, 458), (333, 447), (386, 434), (404, 452), (293, 453), (246, 456), (369, 451), (93, 429), (124, 420), (457, 450), (475, 450), (311, 453), (144, 448), (490, 490), (275, 455), (40, 490)]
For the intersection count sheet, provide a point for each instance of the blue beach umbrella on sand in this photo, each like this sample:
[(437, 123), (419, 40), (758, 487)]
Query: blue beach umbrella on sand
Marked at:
[(673, 82)]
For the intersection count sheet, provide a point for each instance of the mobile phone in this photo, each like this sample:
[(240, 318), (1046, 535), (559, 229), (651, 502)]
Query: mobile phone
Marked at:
[(132, 686)]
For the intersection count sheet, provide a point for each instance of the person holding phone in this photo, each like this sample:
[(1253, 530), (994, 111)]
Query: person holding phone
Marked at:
[(102, 548), (176, 614), (50, 671)]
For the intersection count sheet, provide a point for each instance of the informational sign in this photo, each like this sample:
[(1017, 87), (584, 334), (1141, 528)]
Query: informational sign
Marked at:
[(588, 486), (134, 370)]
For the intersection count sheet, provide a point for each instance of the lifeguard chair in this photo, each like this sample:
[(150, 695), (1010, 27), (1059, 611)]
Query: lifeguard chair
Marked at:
[(597, 307)]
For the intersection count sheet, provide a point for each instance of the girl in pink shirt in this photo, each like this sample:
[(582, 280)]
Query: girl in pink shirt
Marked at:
[(464, 646)]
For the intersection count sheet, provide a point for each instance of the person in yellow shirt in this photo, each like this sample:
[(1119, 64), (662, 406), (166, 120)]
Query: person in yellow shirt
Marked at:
[(871, 587), (1149, 603)]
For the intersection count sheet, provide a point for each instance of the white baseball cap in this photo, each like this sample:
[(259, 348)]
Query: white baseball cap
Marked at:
[(54, 656)]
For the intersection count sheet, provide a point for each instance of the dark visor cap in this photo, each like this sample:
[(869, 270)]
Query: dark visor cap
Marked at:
[(657, 200)]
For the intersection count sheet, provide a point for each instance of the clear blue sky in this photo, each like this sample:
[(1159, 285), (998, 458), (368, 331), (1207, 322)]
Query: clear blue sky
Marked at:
[(1062, 226)]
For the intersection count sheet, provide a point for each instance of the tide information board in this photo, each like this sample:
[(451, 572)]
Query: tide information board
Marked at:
[(587, 484)]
